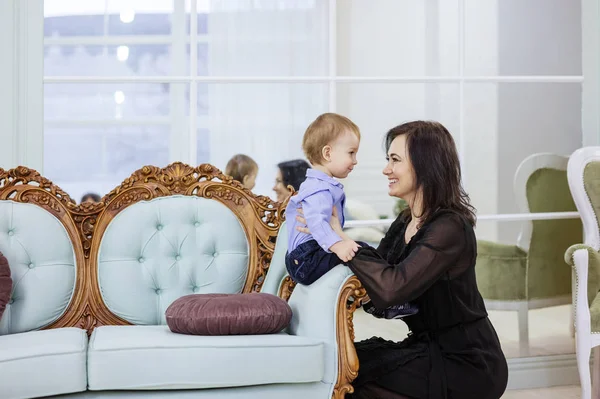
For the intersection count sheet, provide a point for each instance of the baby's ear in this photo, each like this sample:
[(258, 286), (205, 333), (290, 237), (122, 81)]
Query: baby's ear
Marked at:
[(326, 153)]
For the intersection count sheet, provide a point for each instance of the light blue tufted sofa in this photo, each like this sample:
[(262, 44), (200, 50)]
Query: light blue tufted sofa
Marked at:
[(92, 282)]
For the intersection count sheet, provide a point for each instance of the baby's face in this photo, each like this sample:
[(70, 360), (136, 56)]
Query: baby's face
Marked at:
[(343, 154), (250, 180)]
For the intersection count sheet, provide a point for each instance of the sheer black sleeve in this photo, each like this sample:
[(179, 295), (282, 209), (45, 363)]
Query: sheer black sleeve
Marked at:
[(390, 237), (434, 253)]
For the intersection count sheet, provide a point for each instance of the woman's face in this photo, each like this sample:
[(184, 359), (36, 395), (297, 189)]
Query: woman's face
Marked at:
[(280, 190), (399, 170)]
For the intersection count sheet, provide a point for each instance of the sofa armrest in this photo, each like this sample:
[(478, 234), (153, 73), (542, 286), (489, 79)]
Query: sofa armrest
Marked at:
[(324, 310)]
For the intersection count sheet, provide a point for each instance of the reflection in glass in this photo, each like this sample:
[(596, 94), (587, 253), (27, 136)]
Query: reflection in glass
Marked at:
[(98, 158)]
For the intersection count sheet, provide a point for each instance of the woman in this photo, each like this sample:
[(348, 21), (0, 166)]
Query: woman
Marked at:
[(427, 257), (289, 173)]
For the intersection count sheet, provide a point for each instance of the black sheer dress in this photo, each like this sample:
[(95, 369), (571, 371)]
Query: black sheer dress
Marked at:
[(452, 350)]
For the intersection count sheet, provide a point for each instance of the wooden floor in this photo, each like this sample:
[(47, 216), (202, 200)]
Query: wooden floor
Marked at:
[(548, 330)]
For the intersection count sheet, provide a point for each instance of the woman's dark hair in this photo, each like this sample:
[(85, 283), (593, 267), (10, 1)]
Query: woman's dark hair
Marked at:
[(93, 196), (435, 162), (293, 172)]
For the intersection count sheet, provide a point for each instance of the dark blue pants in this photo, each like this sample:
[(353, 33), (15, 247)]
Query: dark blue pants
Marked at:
[(309, 262)]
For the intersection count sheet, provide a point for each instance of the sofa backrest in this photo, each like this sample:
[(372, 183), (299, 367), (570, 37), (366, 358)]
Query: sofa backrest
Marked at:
[(163, 233), (156, 251), (36, 236)]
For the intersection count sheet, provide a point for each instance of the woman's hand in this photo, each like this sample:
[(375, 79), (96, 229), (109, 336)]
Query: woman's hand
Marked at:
[(302, 222), (334, 222)]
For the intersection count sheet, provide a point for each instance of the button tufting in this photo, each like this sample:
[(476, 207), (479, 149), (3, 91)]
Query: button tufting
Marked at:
[(158, 291), (31, 266), (195, 289), (141, 259), (197, 224), (159, 227), (11, 233), (178, 257), (11, 301), (215, 254)]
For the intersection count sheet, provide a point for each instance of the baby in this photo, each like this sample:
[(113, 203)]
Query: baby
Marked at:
[(330, 143), (243, 169)]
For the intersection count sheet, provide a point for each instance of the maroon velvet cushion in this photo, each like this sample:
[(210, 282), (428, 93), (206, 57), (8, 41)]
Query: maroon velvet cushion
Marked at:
[(5, 283), (228, 314)]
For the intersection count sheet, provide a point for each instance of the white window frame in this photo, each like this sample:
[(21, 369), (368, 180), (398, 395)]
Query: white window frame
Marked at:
[(21, 102), (27, 143)]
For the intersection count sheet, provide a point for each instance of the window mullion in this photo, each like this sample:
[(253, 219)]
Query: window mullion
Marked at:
[(193, 126), (332, 54), (178, 133)]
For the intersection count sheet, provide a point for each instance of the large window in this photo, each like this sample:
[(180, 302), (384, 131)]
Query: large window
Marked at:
[(122, 77), (135, 82)]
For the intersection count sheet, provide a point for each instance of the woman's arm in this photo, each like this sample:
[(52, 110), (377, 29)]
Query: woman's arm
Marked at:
[(435, 252)]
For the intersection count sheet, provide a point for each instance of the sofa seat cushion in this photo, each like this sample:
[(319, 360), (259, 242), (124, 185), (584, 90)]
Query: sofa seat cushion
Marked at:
[(152, 357), (43, 363), (228, 314)]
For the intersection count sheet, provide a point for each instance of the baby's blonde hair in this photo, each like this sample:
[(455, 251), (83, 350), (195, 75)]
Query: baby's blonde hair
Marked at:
[(239, 166), (322, 131)]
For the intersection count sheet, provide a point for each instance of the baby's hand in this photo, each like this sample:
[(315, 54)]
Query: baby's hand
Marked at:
[(345, 250)]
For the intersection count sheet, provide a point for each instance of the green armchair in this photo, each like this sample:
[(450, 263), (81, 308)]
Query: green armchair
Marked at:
[(531, 274)]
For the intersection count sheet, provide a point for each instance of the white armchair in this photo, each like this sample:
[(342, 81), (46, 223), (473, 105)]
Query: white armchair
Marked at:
[(584, 181)]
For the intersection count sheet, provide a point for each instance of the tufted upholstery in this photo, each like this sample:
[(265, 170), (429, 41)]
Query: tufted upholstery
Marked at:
[(154, 252), (42, 262)]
